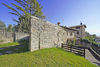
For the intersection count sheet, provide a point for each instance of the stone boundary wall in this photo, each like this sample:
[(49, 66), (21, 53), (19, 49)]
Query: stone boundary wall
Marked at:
[(21, 35), (46, 35), (6, 37)]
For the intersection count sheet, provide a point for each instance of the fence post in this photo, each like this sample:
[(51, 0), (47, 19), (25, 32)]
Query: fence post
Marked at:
[(71, 48), (84, 52), (61, 45)]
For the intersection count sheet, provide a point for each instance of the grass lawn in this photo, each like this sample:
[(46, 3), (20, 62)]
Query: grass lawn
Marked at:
[(50, 57), (15, 47), (9, 44)]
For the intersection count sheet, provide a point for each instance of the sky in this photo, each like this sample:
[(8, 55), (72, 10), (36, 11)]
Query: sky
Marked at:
[(67, 12)]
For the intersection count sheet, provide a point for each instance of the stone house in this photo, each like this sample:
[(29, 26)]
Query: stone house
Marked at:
[(80, 30), (71, 33), (76, 31)]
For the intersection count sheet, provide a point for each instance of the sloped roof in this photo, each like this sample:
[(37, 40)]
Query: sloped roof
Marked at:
[(78, 26), (69, 28)]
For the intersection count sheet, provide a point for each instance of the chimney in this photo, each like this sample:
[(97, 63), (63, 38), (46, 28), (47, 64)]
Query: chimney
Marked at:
[(80, 23), (58, 23)]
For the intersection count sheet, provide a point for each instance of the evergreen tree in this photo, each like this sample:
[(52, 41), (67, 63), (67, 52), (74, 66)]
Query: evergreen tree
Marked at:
[(23, 11)]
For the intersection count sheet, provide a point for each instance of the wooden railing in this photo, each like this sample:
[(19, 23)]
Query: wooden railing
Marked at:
[(96, 50), (74, 49)]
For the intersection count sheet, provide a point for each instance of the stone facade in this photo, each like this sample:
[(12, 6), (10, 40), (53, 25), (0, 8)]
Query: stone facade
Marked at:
[(80, 30), (47, 35)]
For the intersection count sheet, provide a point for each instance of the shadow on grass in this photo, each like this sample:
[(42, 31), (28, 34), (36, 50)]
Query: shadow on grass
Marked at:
[(22, 47), (97, 63)]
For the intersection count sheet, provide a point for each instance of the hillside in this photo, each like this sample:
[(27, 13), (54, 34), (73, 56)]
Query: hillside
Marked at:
[(51, 57)]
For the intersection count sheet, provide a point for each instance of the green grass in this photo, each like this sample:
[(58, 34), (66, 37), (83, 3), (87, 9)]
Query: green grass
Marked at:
[(12, 46), (9, 44), (50, 57), (1, 40)]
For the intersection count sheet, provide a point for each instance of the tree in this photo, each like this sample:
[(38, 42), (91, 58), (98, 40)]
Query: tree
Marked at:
[(2, 25), (94, 36), (23, 11), (10, 28), (87, 33), (90, 38)]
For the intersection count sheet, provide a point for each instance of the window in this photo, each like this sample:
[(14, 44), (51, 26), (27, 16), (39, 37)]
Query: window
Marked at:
[(77, 32), (71, 34), (77, 27)]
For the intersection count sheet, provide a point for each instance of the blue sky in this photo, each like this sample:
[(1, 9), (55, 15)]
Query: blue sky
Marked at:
[(68, 12)]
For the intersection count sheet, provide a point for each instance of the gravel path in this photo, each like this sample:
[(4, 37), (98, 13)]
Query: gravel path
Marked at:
[(89, 56)]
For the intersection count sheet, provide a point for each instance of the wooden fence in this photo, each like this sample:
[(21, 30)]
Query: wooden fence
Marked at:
[(96, 50), (74, 49)]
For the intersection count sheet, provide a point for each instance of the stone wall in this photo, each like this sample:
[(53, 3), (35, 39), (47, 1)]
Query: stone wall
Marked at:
[(46, 35), (21, 35), (6, 37)]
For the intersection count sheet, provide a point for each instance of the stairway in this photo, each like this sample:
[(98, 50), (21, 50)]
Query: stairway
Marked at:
[(91, 57)]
